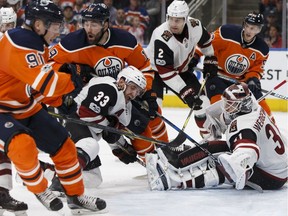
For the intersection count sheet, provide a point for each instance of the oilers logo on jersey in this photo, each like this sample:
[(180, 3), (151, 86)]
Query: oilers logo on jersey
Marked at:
[(108, 66), (237, 64)]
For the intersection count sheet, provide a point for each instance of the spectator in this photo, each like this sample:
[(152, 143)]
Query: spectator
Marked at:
[(112, 10), (79, 6), (120, 21), (153, 8), (135, 10), (3, 3), (274, 40), (136, 30), (270, 19), (69, 24)]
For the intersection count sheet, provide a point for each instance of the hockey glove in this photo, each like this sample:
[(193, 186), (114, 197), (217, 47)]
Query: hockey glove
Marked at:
[(110, 137), (151, 97), (189, 96), (85, 71), (210, 66), (254, 85), (124, 151), (68, 105)]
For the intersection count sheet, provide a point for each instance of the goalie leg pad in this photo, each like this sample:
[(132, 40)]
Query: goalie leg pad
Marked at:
[(239, 165), (157, 177)]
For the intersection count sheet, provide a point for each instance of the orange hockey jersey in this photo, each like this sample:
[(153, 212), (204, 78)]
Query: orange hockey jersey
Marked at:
[(109, 59), (25, 77), (238, 60)]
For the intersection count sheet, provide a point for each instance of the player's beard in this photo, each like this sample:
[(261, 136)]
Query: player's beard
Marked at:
[(96, 38)]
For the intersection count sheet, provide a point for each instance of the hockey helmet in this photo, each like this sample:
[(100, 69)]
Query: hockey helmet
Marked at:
[(45, 10), (8, 15), (237, 100), (96, 12), (132, 74), (178, 9), (254, 19), (12, 2)]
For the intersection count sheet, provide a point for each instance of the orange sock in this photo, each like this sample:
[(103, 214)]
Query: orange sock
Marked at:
[(158, 128), (23, 153), (68, 169)]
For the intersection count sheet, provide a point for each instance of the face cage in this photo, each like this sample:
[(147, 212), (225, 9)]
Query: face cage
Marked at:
[(232, 108)]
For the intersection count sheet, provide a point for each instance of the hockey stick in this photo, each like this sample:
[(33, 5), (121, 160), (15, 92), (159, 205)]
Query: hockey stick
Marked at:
[(181, 137), (129, 134), (229, 79)]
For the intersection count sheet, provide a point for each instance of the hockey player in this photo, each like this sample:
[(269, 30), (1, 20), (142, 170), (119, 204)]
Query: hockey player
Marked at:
[(254, 150), (26, 80), (9, 19), (108, 50), (171, 48), (107, 102), (7, 203), (241, 55)]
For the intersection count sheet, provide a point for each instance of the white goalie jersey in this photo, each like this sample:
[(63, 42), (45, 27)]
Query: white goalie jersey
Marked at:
[(256, 131), (101, 98)]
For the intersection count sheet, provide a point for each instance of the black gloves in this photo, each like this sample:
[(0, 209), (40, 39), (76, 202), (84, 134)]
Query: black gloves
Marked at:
[(68, 105), (190, 97), (151, 98), (210, 66), (84, 71), (193, 62), (124, 151), (254, 84), (110, 137)]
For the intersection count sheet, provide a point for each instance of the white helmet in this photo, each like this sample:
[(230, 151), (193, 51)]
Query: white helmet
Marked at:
[(178, 9), (8, 15), (132, 74), (12, 2)]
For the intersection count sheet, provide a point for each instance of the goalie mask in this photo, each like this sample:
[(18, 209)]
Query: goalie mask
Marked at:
[(237, 100)]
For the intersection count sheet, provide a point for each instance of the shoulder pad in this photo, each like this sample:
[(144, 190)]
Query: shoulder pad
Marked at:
[(166, 35)]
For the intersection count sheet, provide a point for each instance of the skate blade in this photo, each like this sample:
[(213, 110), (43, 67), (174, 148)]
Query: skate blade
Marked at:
[(87, 212)]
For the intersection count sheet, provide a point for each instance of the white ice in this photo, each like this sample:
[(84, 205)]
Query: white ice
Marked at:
[(126, 191)]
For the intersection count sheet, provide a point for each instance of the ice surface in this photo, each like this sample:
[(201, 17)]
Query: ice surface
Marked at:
[(126, 191)]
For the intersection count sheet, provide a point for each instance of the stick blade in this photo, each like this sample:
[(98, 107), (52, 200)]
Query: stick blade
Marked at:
[(181, 137)]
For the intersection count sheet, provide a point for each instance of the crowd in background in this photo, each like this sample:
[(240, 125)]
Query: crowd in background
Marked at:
[(141, 17), (271, 32)]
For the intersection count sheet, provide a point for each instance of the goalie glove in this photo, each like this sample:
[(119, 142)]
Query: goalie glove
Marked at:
[(124, 151)]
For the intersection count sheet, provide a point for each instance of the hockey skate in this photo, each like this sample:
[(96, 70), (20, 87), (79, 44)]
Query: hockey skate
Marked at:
[(8, 203), (57, 188), (85, 205), (50, 200)]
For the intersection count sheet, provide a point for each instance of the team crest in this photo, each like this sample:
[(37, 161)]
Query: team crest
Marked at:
[(108, 66), (166, 35), (237, 64), (233, 126), (194, 22)]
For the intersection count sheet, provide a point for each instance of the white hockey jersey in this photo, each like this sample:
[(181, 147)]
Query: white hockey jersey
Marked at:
[(101, 98), (255, 130), (170, 54)]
